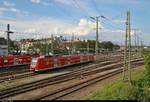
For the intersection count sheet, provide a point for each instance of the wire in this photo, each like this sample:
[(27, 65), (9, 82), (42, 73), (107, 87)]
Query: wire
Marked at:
[(95, 5), (81, 8), (62, 9), (112, 25)]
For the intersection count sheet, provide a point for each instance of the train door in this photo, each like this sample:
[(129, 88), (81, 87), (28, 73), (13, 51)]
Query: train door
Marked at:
[(69, 60), (16, 61), (56, 62), (1, 61)]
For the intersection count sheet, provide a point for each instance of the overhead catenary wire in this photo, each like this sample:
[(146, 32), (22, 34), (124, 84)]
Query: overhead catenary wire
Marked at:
[(60, 8), (77, 5), (96, 7), (69, 14), (112, 25)]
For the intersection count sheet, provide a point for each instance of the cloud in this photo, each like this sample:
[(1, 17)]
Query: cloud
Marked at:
[(42, 2), (8, 4), (118, 21), (36, 1), (44, 27), (14, 10), (118, 31), (30, 30), (65, 2), (3, 10), (48, 26), (46, 3), (8, 7)]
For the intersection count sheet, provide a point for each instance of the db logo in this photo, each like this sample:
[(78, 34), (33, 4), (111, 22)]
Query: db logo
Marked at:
[(47, 63)]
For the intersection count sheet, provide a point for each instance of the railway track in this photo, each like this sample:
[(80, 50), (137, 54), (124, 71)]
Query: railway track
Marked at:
[(24, 68), (17, 76), (61, 78), (55, 95), (26, 73), (14, 70), (61, 92)]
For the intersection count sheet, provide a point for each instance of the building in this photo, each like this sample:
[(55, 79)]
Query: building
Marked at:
[(26, 44)]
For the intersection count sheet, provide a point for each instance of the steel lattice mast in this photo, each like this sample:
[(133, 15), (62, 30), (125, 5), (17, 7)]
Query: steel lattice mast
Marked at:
[(127, 51)]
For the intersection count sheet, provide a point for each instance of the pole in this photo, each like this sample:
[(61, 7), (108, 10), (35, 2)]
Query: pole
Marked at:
[(72, 43), (52, 44), (125, 50), (45, 46), (129, 48), (88, 47), (8, 38), (97, 37), (138, 42), (96, 45), (135, 37), (8, 29)]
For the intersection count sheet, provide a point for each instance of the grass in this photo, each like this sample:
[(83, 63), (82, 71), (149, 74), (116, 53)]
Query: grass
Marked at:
[(118, 90)]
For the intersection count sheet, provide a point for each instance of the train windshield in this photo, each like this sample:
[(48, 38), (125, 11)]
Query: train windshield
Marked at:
[(34, 60)]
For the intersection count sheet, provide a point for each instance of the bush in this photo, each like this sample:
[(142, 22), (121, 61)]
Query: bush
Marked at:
[(140, 88)]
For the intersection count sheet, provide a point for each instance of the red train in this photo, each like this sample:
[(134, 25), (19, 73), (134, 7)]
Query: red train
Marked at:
[(51, 62), (15, 60)]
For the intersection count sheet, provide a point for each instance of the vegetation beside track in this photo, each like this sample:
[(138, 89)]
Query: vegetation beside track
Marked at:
[(138, 90)]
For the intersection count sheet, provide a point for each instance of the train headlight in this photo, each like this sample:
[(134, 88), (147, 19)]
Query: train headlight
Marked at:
[(5, 61)]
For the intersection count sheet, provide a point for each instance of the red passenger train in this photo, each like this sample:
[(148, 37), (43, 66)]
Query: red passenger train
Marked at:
[(51, 62), (16, 60)]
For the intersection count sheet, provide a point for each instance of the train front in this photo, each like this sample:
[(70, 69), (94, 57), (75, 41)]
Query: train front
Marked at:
[(33, 64)]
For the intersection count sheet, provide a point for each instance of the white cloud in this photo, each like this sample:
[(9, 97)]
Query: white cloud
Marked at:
[(8, 4), (47, 26), (86, 27), (30, 30), (132, 32), (118, 21), (3, 10), (42, 2), (118, 31), (14, 10), (36, 1), (51, 26), (46, 3), (65, 2)]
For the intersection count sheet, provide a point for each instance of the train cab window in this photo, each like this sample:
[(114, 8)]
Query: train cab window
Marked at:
[(34, 60), (47, 56)]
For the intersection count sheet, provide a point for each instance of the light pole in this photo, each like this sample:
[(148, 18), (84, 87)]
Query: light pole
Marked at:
[(87, 46), (97, 31), (52, 44), (96, 43), (127, 51), (8, 38)]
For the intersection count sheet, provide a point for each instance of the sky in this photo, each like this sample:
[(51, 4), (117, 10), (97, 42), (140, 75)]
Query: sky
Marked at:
[(42, 18)]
